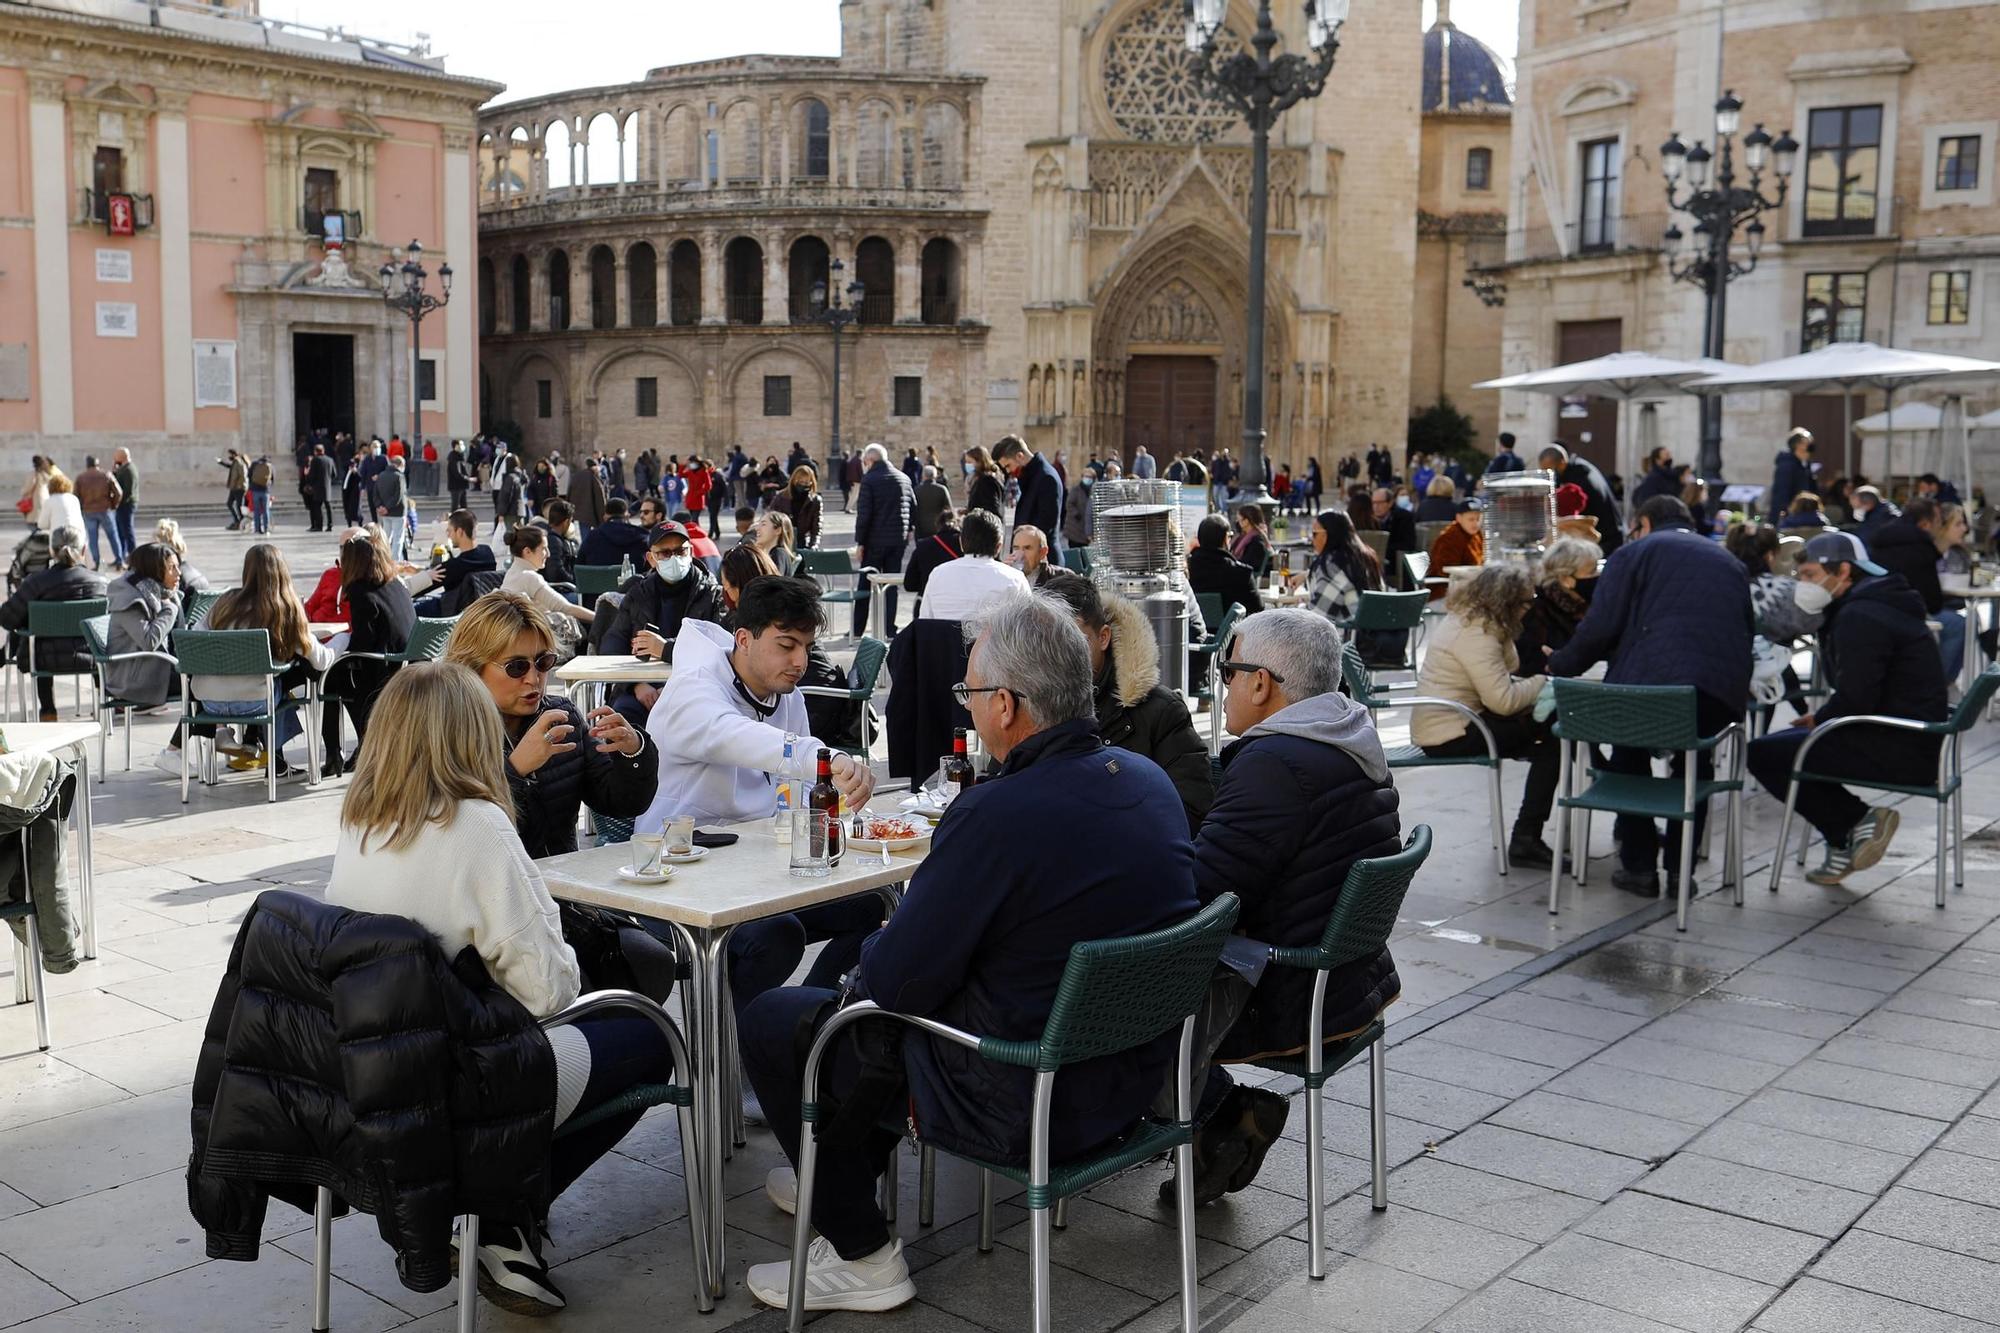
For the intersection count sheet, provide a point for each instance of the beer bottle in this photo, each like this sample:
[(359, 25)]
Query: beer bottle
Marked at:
[(958, 770), (824, 802)]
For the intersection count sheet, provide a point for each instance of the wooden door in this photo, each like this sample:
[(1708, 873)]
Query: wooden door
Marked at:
[(1169, 406), (1597, 418), (1821, 414)]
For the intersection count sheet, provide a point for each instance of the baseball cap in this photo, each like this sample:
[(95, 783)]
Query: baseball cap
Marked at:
[(1839, 548), (1467, 507), (661, 531)]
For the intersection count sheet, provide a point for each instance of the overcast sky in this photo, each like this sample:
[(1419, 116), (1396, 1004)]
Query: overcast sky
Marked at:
[(546, 48)]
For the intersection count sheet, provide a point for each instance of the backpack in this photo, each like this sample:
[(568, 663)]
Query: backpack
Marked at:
[(260, 473)]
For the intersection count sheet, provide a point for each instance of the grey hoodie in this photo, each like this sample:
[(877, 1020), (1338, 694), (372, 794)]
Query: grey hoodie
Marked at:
[(142, 617), (1331, 719)]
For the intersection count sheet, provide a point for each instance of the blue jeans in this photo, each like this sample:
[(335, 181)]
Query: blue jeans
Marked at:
[(260, 508), (125, 536), (1951, 635), (107, 524), (764, 954), (288, 722)]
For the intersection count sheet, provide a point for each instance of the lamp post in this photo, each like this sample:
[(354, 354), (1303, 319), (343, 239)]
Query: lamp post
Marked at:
[(1702, 255), (1261, 86), (403, 289), (836, 308)]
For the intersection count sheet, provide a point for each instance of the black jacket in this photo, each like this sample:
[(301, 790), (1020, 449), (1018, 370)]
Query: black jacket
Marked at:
[(318, 479), (932, 501), (1218, 572), (1901, 547), (380, 617), (1599, 502), (1881, 659), (1436, 509), (1789, 476), (883, 512), (1673, 609), (984, 933), (344, 1051), (1291, 814), (651, 604), (457, 471), (547, 801), (1550, 623), (1137, 713), (561, 567), (475, 559), (926, 658), (943, 547), (52, 584), (1041, 503), (1401, 526), (612, 541), (988, 491), (1660, 481)]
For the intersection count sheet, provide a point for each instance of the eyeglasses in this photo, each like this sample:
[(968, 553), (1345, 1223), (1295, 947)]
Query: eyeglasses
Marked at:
[(519, 667), (1229, 670), (963, 693)]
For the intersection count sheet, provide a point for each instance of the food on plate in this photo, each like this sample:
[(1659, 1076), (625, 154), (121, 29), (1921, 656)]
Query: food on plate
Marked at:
[(890, 829)]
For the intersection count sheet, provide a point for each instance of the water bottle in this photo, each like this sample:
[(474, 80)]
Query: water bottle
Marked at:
[(624, 570), (781, 825)]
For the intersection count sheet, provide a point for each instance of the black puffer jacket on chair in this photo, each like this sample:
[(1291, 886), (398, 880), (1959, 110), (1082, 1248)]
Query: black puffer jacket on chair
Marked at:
[(344, 1051)]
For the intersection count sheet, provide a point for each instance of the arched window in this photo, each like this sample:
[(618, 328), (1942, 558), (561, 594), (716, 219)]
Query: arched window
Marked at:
[(742, 144), (684, 283), (680, 150), (875, 146), (743, 280), (939, 287), (815, 141), (600, 150), (518, 294), (489, 316), (603, 288), (558, 289), (628, 162), (519, 160), (557, 157), (875, 267), (642, 283), (807, 264), (943, 165), (1479, 169)]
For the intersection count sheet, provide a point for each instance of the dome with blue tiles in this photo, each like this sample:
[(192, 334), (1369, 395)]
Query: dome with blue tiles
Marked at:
[(1460, 72)]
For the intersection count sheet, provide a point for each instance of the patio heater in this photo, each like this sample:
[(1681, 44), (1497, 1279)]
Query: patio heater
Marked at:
[(1136, 530)]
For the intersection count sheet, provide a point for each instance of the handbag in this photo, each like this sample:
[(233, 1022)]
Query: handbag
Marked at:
[(24, 504)]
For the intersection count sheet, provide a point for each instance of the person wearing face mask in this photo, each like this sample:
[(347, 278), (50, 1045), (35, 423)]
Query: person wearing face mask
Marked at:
[(1564, 582), (1879, 658), (1599, 502), (1671, 608), (671, 592)]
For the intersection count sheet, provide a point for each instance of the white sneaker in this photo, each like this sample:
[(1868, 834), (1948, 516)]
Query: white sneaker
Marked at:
[(169, 761), (879, 1282), (513, 1274), (781, 1187)]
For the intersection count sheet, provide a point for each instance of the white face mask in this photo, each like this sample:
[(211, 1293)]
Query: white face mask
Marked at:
[(674, 568), (1811, 597)]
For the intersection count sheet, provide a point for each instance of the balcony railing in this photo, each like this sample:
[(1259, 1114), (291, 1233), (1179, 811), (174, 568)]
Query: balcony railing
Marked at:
[(649, 199), (940, 310), (745, 308), (95, 206)]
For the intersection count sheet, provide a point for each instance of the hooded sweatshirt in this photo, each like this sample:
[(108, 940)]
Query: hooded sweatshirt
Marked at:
[(1331, 719), (717, 755)]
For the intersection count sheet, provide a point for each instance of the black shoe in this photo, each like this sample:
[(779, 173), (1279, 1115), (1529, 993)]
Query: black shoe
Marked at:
[(1219, 1153), (333, 767), (514, 1275), (1529, 852), (1642, 882), (1263, 1120)]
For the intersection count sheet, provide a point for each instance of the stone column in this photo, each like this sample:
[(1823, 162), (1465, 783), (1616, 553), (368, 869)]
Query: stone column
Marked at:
[(171, 218), (909, 278), (972, 284), (579, 288), (712, 306), (621, 295), (538, 291), (777, 291), (48, 175), (461, 329)]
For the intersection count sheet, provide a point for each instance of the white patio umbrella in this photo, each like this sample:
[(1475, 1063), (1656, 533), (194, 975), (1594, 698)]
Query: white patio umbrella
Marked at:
[(1624, 376), (1911, 428), (1847, 367), (1905, 417)]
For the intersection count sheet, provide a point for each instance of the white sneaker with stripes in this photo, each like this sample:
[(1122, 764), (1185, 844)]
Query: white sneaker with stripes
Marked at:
[(881, 1281)]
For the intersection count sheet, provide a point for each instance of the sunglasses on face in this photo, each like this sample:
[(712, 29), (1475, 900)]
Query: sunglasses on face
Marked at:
[(1229, 670), (519, 667)]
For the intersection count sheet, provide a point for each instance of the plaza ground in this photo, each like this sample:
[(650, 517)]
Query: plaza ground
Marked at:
[(1783, 1120)]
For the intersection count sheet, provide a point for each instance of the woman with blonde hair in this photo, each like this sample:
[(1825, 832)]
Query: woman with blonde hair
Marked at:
[(1440, 500), (61, 508), (557, 759), (772, 534), (799, 505), (265, 601), (426, 832), (1470, 661), (168, 532)]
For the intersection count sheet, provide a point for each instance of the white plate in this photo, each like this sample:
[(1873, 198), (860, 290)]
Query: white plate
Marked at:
[(693, 854), (632, 875), (895, 844)]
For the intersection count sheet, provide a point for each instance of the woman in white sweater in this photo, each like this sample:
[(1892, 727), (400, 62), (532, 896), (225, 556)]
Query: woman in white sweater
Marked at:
[(427, 832), (1470, 660)]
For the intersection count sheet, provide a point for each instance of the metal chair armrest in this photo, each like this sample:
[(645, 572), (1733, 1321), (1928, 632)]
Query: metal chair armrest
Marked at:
[(854, 1013), (598, 1001), (1470, 714), (1827, 728), (168, 658), (830, 692)]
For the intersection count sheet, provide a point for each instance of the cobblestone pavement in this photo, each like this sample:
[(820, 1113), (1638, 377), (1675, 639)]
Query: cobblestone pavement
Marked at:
[(1783, 1120)]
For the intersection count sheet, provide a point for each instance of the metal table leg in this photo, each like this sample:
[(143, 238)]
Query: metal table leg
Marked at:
[(86, 875), (708, 954)]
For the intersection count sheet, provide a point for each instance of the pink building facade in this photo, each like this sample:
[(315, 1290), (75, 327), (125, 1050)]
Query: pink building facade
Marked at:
[(192, 217)]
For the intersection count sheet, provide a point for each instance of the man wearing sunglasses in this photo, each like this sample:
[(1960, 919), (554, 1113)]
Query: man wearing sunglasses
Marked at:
[(672, 591)]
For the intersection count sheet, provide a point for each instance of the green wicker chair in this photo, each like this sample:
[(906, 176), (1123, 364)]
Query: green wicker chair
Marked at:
[(1361, 686), (1948, 791), (97, 635), (56, 620), (195, 605), (591, 580), (639, 1097), (238, 652), (1212, 648), (1365, 913), (1387, 612), (1210, 606), (1077, 558), (1646, 717), (821, 566), (869, 656), (427, 640), (1115, 995)]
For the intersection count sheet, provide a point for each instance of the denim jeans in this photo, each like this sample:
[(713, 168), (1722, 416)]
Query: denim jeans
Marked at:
[(764, 954), (107, 524), (288, 722), (260, 508), (1950, 640), (125, 538)]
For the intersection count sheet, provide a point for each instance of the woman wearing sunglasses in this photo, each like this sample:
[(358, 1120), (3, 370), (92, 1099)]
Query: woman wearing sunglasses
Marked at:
[(557, 759)]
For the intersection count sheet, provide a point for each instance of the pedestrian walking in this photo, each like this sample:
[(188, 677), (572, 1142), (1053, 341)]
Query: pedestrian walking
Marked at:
[(98, 494), (128, 498)]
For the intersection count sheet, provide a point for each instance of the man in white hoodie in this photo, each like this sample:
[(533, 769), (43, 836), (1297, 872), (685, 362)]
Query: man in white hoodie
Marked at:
[(721, 723)]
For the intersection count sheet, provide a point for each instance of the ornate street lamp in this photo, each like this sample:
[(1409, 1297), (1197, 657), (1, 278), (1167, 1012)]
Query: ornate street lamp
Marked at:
[(844, 309), (1261, 86), (1702, 255), (403, 289)]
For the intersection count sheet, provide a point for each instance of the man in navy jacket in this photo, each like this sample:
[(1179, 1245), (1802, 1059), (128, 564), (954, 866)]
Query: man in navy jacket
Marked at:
[(1041, 503), (882, 521), (1073, 840), (1791, 473), (1671, 608)]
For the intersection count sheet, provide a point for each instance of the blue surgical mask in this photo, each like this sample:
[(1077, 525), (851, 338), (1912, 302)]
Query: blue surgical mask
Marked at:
[(968, 469), (1404, 502), (674, 568)]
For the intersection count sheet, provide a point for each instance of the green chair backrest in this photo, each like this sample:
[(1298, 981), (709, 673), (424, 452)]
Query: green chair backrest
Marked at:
[(1360, 681), (1390, 610), (63, 620), (1227, 626), (1121, 993), (97, 634), (1427, 533), (196, 605), (1210, 605), (1972, 704), (1076, 558), (825, 564), (594, 579), (225, 652), (869, 655), (1370, 899), (1645, 717), (428, 638), (1377, 541)]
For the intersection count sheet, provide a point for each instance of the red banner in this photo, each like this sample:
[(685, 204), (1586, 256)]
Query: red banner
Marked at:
[(120, 216)]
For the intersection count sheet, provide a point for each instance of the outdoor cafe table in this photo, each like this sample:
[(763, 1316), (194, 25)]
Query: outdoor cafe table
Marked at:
[(589, 675), (1972, 595), (703, 902), (876, 622), (53, 738)]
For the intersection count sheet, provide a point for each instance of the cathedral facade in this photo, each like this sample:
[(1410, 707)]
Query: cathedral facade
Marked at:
[(1040, 212)]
